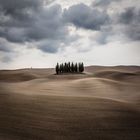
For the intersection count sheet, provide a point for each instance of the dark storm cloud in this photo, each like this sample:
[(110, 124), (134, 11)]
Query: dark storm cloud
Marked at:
[(131, 15), (19, 4), (48, 25), (52, 46), (49, 46), (133, 32), (124, 23), (34, 21), (19, 9), (28, 20), (86, 17), (131, 19)]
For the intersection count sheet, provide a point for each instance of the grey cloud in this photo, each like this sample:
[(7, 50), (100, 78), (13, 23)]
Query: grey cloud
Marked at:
[(45, 23), (4, 46), (53, 46), (133, 32), (131, 15), (103, 3), (49, 46), (34, 23), (131, 19), (86, 17), (6, 51), (102, 38), (22, 9), (6, 59), (125, 23), (13, 34), (19, 9), (9, 5), (48, 25), (30, 21)]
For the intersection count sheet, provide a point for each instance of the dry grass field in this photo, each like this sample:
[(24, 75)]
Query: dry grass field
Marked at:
[(103, 103)]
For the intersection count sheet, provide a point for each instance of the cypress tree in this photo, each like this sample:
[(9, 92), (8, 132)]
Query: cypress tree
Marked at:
[(65, 67), (82, 67), (72, 67), (75, 68), (68, 66), (60, 68), (79, 67), (57, 68)]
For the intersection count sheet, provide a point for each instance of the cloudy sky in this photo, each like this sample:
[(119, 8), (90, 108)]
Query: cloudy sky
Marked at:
[(40, 33)]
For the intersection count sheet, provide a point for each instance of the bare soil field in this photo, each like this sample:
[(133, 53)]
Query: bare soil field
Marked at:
[(103, 103)]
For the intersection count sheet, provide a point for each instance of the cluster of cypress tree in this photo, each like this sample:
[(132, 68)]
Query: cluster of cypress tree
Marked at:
[(69, 68)]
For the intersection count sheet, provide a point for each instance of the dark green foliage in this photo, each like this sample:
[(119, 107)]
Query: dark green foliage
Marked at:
[(75, 68), (69, 68), (57, 68), (81, 67), (72, 67)]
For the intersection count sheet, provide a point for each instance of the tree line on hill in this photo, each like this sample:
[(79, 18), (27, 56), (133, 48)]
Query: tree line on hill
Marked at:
[(69, 68)]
